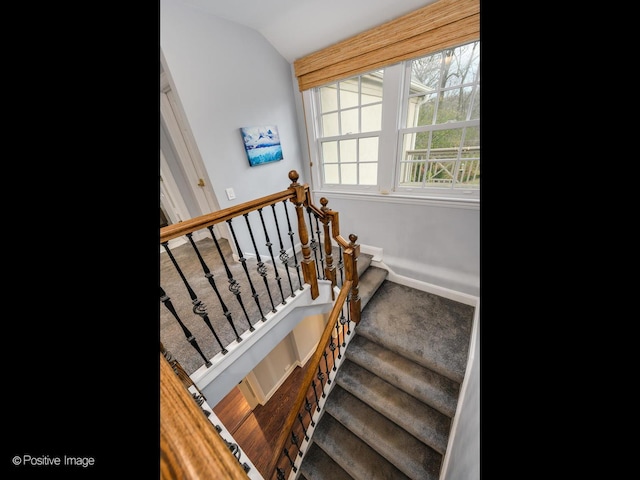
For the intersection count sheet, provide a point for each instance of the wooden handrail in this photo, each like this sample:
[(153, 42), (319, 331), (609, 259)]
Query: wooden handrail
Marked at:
[(351, 252), (189, 226), (308, 377), (190, 447)]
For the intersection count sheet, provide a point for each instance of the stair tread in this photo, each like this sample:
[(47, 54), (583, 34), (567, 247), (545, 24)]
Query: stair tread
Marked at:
[(422, 421), (430, 330), (368, 284), (317, 465), (426, 385), (364, 259), (354, 456), (406, 452)]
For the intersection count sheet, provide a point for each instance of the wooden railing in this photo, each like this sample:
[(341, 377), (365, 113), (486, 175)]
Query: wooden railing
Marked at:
[(278, 469), (190, 447), (182, 421)]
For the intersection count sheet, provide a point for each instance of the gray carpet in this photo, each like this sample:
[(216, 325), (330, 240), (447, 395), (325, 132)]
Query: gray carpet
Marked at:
[(432, 331), (389, 415), (172, 335)]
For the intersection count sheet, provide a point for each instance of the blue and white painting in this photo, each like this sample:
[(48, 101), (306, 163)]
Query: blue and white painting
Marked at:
[(262, 144)]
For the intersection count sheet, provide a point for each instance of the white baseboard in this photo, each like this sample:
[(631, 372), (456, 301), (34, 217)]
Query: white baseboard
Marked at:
[(375, 252), (427, 287)]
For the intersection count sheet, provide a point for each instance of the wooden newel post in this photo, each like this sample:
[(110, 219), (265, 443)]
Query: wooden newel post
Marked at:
[(329, 269), (351, 267), (308, 264)]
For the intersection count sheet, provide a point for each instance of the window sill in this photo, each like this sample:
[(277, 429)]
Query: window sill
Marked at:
[(394, 197)]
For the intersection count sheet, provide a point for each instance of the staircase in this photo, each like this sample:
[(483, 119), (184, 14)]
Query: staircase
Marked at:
[(389, 413)]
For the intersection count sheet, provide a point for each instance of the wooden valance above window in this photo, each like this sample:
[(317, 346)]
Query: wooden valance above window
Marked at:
[(439, 25)]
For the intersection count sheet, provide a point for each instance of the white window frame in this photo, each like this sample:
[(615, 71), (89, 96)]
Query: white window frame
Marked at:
[(395, 88)]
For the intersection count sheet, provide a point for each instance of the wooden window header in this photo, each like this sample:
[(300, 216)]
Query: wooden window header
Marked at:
[(440, 25)]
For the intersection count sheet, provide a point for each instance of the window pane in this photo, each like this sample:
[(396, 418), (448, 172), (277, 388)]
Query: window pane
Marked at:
[(368, 149), (469, 170), (439, 173), (349, 122), (330, 125), (371, 88), (468, 174), (475, 108), (454, 104), (348, 151), (330, 152), (420, 111), (372, 118), (329, 98), (411, 173), (349, 174), (415, 146), (347, 109), (472, 139), (445, 142), (331, 174), (414, 154), (426, 71), (368, 174), (349, 93), (460, 64)]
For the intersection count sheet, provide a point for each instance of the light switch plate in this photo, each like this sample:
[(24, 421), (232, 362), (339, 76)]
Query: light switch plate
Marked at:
[(230, 193)]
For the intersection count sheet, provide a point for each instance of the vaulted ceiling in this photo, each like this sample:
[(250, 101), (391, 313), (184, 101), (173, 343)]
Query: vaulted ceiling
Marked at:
[(299, 27)]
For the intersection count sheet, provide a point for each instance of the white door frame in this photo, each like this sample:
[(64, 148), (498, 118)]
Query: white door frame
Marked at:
[(173, 118), (171, 201)]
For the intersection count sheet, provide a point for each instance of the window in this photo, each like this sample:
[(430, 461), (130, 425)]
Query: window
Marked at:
[(412, 128), (350, 122)]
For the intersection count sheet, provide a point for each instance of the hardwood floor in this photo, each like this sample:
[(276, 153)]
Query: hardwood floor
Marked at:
[(254, 431)]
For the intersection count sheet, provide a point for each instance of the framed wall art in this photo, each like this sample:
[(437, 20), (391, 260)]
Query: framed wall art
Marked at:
[(262, 144)]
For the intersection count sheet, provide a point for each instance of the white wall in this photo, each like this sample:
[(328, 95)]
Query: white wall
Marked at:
[(464, 455), (435, 244), (226, 77)]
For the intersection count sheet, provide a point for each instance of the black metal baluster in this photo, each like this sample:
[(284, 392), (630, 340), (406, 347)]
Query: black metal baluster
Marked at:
[(280, 473), (315, 393), (199, 308), (209, 276), (312, 243), (321, 378), (166, 300), (234, 286), (273, 260), (295, 440), (320, 248), (243, 261), (341, 265), (284, 258), (343, 320), (348, 302), (175, 365), (291, 462), (326, 363), (338, 338), (234, 448), (293, 247), (307, 407), (262, 268), (332, 347), (304, 429)]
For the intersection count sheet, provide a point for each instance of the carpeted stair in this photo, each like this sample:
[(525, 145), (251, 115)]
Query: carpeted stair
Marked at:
[(389, 414)]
